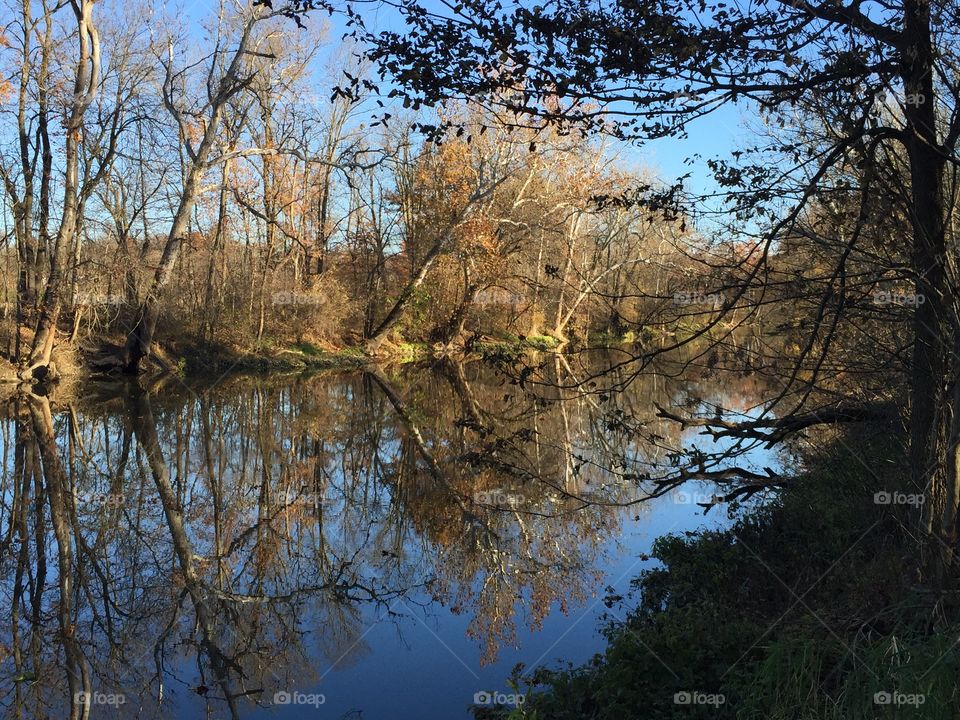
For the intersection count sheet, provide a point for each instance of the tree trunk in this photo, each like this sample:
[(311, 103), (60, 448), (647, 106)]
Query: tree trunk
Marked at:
[(935, 397), (457, 320), (140, 340), (376, 339), (85, 85), (215, 249)]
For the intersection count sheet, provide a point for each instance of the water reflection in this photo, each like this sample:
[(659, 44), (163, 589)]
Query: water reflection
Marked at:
[(169, 551)]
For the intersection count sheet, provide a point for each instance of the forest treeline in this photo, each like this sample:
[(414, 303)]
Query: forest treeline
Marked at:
[(208, 187), (218, 189)]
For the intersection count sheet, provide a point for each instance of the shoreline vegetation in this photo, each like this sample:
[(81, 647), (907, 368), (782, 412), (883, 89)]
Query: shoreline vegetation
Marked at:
[(185, 358), (307, 356), (805, 608)]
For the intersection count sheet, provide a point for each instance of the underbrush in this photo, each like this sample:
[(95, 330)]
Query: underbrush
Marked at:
[(806, 609)]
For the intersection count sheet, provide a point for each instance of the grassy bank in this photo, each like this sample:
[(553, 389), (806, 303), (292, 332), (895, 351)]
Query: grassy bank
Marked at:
[(805, 609), (305, 356)]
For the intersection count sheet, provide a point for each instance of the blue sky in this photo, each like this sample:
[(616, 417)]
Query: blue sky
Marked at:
[(711, 136), (714, 135)]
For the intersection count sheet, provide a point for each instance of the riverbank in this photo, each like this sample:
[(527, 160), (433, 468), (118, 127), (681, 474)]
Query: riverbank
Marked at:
[(191, 357), (95, 357), (806, 608), (308, 357)]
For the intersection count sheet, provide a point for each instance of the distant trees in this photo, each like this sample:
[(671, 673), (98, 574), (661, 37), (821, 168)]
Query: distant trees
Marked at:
[(502, 232), (213, 191)]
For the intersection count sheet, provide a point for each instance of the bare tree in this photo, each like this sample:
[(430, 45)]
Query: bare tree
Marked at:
[(86, 84)]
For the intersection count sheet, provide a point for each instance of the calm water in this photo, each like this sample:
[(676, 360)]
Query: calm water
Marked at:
[(364, 546)]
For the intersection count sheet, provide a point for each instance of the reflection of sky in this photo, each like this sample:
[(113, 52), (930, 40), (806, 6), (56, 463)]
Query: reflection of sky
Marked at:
[(424, 667), (748, 454)]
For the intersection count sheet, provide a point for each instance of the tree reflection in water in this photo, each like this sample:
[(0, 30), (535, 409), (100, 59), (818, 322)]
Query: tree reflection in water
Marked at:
[(225, 542)]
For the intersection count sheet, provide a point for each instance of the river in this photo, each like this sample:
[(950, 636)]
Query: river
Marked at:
[(383, 545)]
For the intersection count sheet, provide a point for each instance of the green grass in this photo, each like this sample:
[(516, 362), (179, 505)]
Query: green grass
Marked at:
[(508, 347), (308, 349), (318, 358), (410, 352), (355, 351), (539, 342)]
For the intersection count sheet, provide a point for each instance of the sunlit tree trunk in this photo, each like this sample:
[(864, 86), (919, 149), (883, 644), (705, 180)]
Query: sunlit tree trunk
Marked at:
[(140, 340), (86, 81)]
